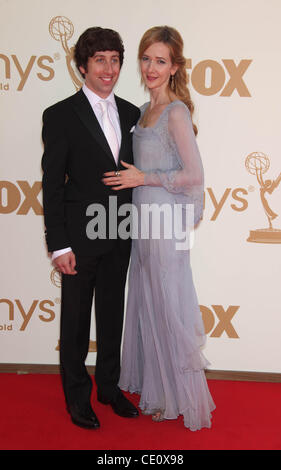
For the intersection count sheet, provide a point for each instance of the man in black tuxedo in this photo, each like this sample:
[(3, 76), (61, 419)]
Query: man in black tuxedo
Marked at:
[(85, 136)]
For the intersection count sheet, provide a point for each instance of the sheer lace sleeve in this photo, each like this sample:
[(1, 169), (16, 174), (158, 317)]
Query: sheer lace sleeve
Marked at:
[(188, 179)]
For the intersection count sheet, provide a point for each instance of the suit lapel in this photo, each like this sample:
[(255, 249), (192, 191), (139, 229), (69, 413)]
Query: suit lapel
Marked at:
[(87, 116), (124, 131)]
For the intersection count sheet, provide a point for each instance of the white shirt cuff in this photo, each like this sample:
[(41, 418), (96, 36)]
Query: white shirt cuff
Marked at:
[(57, 253)]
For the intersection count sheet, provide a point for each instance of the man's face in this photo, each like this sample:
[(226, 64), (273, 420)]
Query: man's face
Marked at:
[(102, 72)]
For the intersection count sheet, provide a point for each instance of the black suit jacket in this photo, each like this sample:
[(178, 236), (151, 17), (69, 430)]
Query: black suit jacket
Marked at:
[(76, 155)]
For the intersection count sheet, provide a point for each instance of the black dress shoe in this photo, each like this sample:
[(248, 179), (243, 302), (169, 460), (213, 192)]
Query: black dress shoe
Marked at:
[(84, 417), (120, 405)]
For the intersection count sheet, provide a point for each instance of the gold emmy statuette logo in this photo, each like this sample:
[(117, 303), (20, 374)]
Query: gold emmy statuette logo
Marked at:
[(56, 277), (257, 163), (61, 29)]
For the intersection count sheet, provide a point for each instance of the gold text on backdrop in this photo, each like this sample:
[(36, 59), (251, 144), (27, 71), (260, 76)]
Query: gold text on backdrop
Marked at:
[(208, 77), (224, 316), (14, 310), (27, 313), (24, 71), (11, 197)]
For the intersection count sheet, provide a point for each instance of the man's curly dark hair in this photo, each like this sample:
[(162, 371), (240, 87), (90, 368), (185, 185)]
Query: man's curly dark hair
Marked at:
[(97, 39)]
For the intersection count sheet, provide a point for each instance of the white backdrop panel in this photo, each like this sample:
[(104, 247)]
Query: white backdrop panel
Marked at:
[(233, 49)]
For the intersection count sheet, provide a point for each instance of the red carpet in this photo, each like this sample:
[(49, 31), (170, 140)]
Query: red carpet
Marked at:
[(33, 416)]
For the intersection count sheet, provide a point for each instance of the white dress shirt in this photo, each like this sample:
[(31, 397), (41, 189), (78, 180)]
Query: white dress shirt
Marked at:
[(114, 117), (112, 110)]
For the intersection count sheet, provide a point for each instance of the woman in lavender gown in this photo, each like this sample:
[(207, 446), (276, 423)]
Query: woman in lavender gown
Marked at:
[(164, 332)]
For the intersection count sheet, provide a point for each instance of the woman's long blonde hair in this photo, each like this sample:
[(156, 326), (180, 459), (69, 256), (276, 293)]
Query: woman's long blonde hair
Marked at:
[(178, 82)]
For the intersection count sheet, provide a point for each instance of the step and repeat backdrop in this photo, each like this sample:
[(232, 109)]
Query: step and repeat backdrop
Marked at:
[(233, 52)]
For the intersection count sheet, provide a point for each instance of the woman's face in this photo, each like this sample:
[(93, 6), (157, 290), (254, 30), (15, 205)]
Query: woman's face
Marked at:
[(156, 66)]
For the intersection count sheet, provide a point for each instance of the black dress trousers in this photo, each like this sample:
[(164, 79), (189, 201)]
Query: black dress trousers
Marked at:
[(102, 277)]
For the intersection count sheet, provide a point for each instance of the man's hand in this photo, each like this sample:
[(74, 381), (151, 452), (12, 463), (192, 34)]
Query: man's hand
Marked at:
[(66, 263), (129, 178)]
